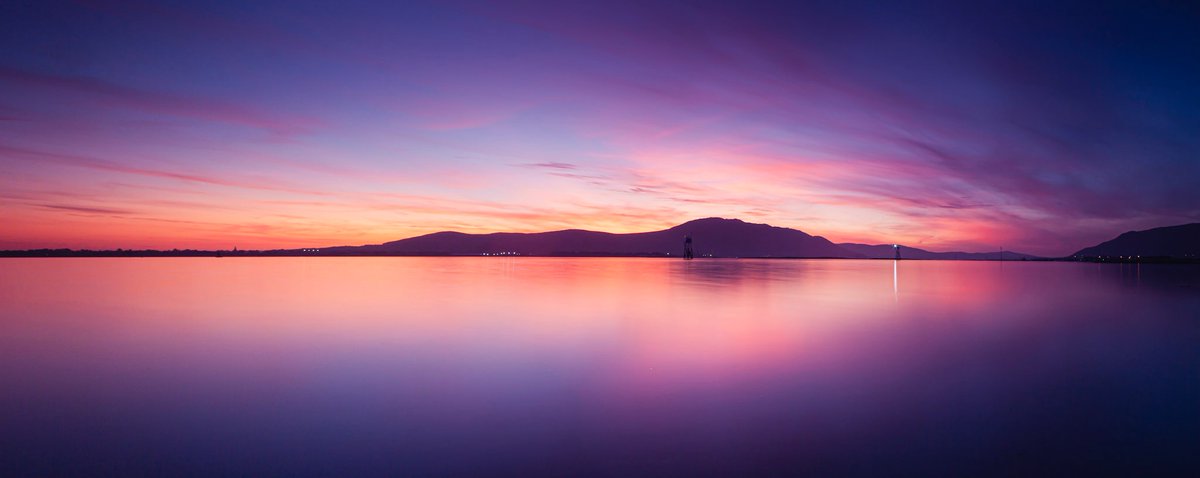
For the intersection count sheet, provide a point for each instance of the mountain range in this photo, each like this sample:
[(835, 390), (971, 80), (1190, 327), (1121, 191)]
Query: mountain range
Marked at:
[(713, 237), (1175, 242)]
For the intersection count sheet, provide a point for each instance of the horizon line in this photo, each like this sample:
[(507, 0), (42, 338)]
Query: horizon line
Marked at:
[(234, 248)]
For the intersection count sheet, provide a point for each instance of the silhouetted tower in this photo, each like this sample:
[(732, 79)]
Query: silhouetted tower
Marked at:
[(687, 247), (897, 248)]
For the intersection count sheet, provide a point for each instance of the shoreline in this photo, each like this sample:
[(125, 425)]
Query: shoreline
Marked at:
[(59, 253)]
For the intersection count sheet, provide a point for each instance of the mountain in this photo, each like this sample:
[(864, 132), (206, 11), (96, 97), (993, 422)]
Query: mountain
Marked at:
[(1179, 242), (716, 237), (713, 236), (886, 251)]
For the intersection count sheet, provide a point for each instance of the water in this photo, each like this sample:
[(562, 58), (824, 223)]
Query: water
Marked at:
[(620, 367)]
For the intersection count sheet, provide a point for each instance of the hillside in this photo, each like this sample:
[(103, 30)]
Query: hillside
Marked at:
[(1177, 242), (716, 237)]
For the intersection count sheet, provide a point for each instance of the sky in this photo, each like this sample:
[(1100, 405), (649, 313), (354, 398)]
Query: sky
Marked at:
[(941, 125)]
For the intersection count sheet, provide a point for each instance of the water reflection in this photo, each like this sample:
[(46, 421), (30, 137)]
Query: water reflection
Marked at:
[(615, 366)]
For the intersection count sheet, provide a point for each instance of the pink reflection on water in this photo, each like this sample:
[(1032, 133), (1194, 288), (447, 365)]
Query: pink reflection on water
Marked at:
[(505, 358), (650, 324)]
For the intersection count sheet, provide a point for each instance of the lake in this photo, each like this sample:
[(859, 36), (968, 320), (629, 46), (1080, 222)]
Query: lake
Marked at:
[(606, 366)]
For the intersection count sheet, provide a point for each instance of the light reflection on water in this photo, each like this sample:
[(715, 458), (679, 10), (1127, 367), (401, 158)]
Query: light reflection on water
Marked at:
[(613, 366)]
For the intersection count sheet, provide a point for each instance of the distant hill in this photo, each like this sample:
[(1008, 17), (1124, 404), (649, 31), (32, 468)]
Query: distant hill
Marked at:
[(716, 237), (886, 251), (1174, 241), (712, 237)]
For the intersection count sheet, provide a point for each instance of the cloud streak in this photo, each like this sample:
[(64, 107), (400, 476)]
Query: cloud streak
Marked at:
[(118, 96)]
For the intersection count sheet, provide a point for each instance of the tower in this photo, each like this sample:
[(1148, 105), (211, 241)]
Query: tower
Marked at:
[(687, 247), (897, 248)]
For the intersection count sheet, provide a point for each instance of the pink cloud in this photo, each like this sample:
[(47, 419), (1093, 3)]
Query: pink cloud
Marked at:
[(114, 95)]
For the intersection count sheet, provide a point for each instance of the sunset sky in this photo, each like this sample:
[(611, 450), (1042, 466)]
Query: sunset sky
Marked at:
[(945, 126)]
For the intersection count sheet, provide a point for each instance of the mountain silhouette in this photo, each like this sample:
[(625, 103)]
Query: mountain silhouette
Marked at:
[(715, 237), (886, 251), (1178, 242)]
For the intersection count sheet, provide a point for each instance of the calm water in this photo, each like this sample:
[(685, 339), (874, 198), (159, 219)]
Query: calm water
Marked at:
[(527, 366)]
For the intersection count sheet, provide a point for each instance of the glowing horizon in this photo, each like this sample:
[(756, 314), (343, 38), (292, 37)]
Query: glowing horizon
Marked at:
[(943, 127)]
